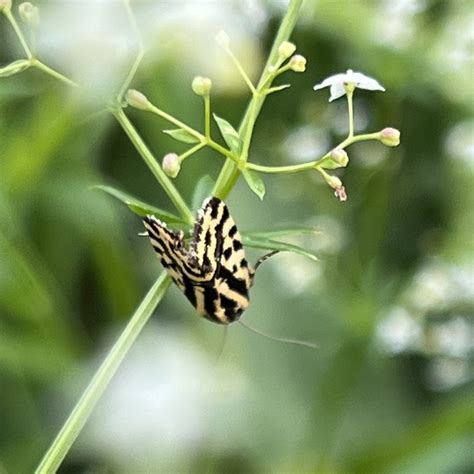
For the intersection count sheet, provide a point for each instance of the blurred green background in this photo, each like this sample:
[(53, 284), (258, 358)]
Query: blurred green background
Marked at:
[(390, 303)]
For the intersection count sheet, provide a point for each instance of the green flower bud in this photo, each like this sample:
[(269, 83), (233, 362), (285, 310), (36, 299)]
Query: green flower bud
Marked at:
[(339, 156), (333, 181), (297, 63), (286, 49), (171, 164), (390, 136), (5, 5), (29, 14), (137, 99), (201, 86)]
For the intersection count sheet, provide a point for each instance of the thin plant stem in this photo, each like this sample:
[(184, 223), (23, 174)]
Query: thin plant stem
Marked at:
[(311, 164), (153, 165), (230, 171), (207, 116), (175, 121), (81, 412), (350, 110), (241, 70), (57, 75), (191, 151), (18, 33), (141, 52)]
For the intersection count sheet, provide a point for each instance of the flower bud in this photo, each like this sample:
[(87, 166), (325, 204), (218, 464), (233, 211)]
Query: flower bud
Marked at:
[(390, 136), (5, 5), (171, 164), (29, 13), (339, 156), (137, 99), (286, 49), (297, 63), (333, 181), (201, 86)]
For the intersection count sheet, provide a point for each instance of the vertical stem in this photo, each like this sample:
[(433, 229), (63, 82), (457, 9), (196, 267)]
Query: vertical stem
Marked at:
[(350, 109), (207, 116), (19, 33), (155, 168), (78, 417), (230, 172)]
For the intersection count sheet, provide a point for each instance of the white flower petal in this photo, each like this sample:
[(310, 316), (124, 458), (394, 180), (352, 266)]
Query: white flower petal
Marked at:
[(329, 81), (365, 82), (337, 90)]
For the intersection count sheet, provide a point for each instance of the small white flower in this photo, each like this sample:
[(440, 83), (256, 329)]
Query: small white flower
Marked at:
[(339, 82)]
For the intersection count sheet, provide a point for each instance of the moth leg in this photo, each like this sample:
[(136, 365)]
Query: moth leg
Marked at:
[(265, 257)]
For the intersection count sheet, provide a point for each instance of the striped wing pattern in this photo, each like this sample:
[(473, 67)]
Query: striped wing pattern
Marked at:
[(212, 272)]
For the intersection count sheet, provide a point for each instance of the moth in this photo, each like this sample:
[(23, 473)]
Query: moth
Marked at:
[(212, 271)]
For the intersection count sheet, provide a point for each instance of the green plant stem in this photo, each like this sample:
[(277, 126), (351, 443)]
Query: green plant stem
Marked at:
[(206, 140), (155, 110), (78, 417), (191, 151), (230, 171), (207, 116), (241, 71), (153, 165), (57, 75), (141, 52), (350, 110), (311, 164), (18, 33)]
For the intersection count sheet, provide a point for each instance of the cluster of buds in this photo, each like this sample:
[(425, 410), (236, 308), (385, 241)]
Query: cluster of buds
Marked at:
[(296, 63)]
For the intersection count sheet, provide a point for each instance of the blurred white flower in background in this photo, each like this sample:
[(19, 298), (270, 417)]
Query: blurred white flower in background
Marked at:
[(305, 144), (395, 23), (399, 331), (165, 401), (460, 144), (94, 43)]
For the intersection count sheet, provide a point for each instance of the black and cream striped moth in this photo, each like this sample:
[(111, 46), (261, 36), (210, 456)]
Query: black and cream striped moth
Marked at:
[(212, 272)]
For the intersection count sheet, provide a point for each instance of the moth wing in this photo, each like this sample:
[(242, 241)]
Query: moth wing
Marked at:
[(169, 246)]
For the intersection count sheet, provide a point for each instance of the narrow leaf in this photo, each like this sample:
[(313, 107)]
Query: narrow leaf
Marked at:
[(181, 135), (269, 244), (292, 232), (139, 207), (15, 67), (277, 88), (230, 134), (255, 183)]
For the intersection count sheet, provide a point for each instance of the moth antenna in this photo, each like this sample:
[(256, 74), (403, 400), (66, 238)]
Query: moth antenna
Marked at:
[(143, 234), (295, 342), (265, 257)]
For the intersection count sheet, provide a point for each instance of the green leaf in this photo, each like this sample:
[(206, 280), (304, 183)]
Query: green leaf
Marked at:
[(15, 67), (277, 89), (268, 244), (255, 183), (181, 135), (329, 164), (139, 207), (291, 232), (230, 134), (202, 190)]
